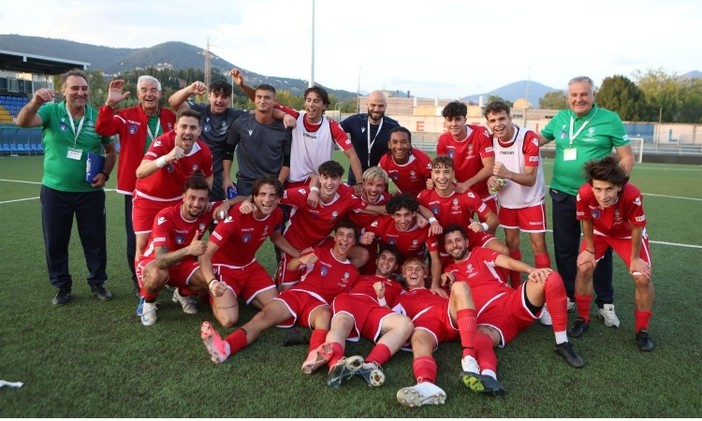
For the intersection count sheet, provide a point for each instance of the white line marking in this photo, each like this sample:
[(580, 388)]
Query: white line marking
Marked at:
[(20, 181), (19, 200), (671, 197)]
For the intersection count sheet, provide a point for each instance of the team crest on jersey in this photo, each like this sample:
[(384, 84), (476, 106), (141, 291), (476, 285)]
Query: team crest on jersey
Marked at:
[(413, 174), (394, 176), (170, 167), (201, 227), (454, 202), (323, 270), (415, 242), (345, 279), (207, 127), (132, 129), (180, 239), (591, 132), (435, 209), (246, 238), (63, 126), (195, 167), (335, 214), (161, 220), (392, 241), (451, 153), (596, 213)]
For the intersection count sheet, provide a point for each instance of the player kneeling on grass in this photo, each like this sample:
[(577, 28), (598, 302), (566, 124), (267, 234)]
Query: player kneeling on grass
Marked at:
[(174, 245), (229, 268), (503, 311), (612, 214), (364, 311), (325, 273), (436, 319)]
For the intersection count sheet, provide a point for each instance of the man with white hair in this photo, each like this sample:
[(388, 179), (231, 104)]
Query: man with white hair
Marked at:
[(136, 127)]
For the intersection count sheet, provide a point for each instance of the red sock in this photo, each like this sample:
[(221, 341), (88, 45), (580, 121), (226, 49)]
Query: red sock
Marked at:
[(582, 304), (337, 353), (515, 278), (237, 341), (465, 319), (485, 353), (318, 337), (557, 301), (379, 354), (542, 260), (641, 318), (424, 369)]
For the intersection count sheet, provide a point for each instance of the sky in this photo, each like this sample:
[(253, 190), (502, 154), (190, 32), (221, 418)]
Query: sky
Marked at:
[(434, 49)]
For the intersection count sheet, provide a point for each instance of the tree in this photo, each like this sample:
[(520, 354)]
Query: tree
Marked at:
[(621, 95), (554, 100), (664, 94), (492, 98)]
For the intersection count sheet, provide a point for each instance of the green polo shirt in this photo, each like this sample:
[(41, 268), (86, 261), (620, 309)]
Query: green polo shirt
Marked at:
[(61, 172), (603, 130)]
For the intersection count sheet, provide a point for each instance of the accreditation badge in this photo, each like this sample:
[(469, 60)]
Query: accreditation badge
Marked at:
[(74, 154), (570, 154)]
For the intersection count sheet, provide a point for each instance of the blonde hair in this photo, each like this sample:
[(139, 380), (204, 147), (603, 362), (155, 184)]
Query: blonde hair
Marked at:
[(375, 173)]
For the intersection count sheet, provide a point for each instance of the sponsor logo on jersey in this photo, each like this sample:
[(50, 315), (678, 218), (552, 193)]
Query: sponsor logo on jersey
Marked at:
[(157, 143), (640, 218), (161, 220), (637, 201), (250, 132), (228, 220)]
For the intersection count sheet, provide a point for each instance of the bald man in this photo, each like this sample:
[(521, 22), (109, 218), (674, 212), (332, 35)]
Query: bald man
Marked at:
[(369, 132)]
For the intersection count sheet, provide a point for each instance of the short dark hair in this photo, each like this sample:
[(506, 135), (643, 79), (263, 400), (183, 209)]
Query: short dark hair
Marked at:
[(346, 223), (606, 169), (442, 161), (188, 112), (390, 248), (400, 201), (221, 87), (265, 87), (331, 169), (321, 92), (400, 129), (496, 107), (73, 72), (197, 182), (453, 228), (270, 180), (455, 109)]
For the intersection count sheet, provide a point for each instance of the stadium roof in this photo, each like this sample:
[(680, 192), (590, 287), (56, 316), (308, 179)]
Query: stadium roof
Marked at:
[(30, 63)]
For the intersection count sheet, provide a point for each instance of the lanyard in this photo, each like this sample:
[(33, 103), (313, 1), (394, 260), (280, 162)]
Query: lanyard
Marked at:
[(76, 133), (155, 133), (572, 135), (372, 142)]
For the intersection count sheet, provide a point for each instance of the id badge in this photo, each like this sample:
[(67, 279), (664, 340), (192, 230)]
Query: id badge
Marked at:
[(570, 154), (74, 154)]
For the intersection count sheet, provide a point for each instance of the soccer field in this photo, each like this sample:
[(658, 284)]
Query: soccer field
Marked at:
[(95, 359)]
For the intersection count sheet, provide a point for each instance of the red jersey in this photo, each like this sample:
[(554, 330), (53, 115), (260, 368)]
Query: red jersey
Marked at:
[(616, 220), (418, 301), (453, 209), (327, 277), (240, 236), (173, 231), (363, 219), (309, 226), (410, 177), (364, 286), (479, 271), (467, 154), (167, 183), (415, 242)]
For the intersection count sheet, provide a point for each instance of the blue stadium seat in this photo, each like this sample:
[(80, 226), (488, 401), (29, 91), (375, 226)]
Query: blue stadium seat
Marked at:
[(5, 149), (22, 149)]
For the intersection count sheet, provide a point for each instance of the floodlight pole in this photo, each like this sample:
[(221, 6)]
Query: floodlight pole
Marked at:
[(311, 83)]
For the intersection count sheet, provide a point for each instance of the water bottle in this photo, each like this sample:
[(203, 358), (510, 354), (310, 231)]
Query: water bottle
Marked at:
[(231, 192)]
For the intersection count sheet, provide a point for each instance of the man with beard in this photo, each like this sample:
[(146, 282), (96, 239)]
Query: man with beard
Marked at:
[(369, 133), (172, 159), (175, 243), (137, 128)]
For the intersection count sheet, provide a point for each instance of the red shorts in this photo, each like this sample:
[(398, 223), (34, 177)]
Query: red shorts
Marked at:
[(622, 246), (437, 322), (246, 281), (145, 210), (508, 314), (491, 203), (301, 305), (366, 313), (178, 275), (531, 219)]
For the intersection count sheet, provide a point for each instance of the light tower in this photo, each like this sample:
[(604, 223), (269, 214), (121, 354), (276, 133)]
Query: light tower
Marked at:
[(207, 63)]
